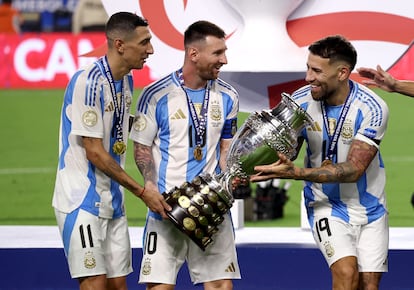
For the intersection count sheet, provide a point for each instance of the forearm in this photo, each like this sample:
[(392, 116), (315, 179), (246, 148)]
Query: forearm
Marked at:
[(145, 162), (359, 157), (341, 173), (224, 150), (404, 87), (101, 159), (112, 169)]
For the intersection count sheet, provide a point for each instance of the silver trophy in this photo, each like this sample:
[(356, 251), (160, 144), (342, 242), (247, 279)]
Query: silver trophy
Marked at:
[(198, 207)]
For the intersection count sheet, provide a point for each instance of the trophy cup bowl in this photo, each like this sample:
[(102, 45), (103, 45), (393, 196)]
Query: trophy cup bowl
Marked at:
[(198, 207)]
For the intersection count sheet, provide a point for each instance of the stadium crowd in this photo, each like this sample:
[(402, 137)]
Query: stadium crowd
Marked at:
[(59, 15)]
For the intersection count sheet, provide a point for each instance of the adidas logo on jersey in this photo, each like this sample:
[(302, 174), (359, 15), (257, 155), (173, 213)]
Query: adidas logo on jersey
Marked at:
[(231, 268), (178, 115), (110, 107)]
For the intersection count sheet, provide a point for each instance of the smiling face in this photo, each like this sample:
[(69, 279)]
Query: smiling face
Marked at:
[(209, 56), (328, 79)]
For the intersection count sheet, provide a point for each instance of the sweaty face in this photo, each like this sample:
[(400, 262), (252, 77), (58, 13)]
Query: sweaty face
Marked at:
[(137, 48), (322, 76), (211, 57)]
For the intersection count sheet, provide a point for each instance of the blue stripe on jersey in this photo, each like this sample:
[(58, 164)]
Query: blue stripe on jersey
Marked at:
[(369, 201), (68, 229), (381, 162), (309, 197), (65, 122), (92, 197), (91, 84), (116, 199), (226, 85), (148, 93), (300, 93), (339, 209), (375, 108), (131, 84), (162, 110)]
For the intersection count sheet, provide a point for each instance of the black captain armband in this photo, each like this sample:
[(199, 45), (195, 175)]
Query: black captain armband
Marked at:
[(230, 128)]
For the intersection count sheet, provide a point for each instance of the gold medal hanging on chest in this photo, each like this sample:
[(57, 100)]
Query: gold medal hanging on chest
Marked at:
[(198, 153), (119, 147)]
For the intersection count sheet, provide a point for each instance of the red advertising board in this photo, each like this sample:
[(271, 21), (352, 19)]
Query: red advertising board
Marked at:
[(48, 60)]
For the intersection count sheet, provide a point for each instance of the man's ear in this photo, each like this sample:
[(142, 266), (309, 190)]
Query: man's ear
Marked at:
[(193, 53), (119, 45), (343, 72)]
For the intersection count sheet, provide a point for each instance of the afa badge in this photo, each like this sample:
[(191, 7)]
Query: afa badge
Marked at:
[(89, 260)]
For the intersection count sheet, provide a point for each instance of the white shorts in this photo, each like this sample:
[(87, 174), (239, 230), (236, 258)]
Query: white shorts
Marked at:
[(94, 245), (166, 249), (368, 243)]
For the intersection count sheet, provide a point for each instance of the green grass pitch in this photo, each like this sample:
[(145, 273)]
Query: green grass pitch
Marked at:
[(29, 153)]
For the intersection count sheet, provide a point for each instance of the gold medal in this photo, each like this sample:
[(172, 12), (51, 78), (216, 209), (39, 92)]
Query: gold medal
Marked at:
[(326, 162), (119, 147), (198, 153)]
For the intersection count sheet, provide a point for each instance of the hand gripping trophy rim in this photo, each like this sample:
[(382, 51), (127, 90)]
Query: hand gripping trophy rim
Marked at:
[(199, 206), (277, 130)]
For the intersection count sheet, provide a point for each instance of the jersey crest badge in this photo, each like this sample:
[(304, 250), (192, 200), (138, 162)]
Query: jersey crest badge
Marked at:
[(215, 112), (329, 250), (89, 260), (146, 268), (347, 130)]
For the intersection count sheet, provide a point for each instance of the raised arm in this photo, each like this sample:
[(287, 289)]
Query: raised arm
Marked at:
[(384, 80)]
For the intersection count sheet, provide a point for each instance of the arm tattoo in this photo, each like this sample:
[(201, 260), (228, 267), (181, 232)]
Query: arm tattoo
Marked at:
[(359, 158), (145, 162)]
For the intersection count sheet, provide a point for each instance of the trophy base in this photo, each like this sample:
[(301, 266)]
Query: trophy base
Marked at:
[(198, 207)]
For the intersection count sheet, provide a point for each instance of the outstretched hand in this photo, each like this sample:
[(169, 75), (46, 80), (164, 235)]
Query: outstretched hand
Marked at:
[(282, 168), (379, 78)]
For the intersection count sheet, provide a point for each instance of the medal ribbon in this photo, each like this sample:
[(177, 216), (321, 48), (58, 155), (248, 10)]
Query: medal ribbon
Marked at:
[(199, 124), (119, 108), (333, 140)]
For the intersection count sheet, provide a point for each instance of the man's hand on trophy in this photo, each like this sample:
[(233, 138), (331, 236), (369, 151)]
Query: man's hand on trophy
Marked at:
[(154, 200), (283, 168)]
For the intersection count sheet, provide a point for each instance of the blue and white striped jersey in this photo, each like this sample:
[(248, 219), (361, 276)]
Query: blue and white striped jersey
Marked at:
[(88, 110), (356, 203), (163, 121)]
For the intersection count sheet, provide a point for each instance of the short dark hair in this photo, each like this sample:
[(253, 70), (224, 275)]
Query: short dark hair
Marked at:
[(121, 24), (336, 48), (199, 30)]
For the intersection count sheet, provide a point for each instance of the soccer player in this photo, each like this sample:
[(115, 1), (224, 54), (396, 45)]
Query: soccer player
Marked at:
[(89, 190), (184, 125), (344, 175)]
